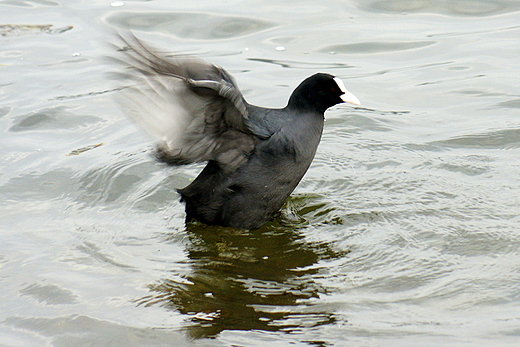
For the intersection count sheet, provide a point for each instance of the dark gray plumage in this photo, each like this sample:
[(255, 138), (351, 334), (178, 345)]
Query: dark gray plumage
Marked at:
[(256, 156)]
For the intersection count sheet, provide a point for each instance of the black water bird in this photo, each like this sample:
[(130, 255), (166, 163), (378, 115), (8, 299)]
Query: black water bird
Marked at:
[(255, 156)]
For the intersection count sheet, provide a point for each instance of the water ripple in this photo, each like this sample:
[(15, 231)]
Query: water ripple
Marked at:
[(301, 64), (190, 25), (499, 139), (470, 8), (375, 47)]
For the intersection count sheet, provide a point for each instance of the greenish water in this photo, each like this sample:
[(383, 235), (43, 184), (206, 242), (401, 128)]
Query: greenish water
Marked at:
[(404, 232)]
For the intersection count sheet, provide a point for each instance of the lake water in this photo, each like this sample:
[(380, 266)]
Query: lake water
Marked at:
[(404, 232)]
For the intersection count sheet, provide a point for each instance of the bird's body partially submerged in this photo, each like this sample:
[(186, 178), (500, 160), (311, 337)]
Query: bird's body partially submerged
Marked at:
[(256, 156), (255, 191)]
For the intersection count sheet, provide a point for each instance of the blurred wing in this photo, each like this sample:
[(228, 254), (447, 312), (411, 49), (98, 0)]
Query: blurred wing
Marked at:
[(193, 109)]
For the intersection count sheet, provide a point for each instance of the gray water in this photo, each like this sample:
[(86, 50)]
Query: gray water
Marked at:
[(404, 232)]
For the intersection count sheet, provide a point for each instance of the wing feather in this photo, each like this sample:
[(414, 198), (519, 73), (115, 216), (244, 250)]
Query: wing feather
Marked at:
[(193, 109)]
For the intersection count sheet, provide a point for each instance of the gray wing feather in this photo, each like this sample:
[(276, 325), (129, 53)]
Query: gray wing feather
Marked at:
[(193, 109)]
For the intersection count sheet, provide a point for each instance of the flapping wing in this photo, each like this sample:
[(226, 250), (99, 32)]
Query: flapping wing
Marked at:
[(193, 109)]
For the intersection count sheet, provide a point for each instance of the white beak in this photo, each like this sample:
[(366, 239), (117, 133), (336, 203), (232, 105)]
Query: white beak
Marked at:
[(346, 96), (350, 98)]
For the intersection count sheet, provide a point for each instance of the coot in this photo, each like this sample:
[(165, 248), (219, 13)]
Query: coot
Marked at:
[(255, 156)]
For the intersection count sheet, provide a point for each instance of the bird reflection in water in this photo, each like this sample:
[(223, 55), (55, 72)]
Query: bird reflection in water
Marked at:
[(243, 280)]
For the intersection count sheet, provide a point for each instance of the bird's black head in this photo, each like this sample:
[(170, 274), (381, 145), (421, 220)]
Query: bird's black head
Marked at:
[(319, 92)]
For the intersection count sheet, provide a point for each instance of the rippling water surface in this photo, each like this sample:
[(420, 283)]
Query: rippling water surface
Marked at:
[(405, 231)]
